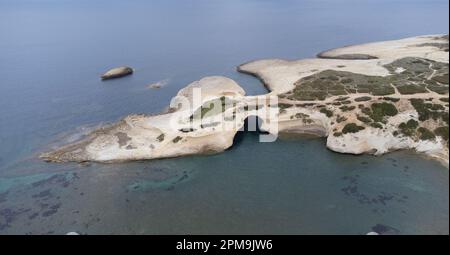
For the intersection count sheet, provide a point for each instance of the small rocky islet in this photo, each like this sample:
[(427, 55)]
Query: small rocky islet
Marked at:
[(371, 98), (117, 72)]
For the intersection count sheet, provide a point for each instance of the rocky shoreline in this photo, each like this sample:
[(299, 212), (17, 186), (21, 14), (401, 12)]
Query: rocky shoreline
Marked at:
[(395, 99)]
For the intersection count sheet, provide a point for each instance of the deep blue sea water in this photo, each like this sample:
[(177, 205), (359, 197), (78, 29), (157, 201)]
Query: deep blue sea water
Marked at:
[(53, 51)]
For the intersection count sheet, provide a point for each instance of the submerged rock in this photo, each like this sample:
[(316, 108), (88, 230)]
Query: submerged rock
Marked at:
[(154, 86), (158, 84), (117, 72)]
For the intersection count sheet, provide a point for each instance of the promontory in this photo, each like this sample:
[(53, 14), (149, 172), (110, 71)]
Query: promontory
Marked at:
[(371, 98)]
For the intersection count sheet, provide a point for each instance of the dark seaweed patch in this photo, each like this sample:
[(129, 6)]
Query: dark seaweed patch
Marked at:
[(43, 194), (32, 216), (8, 215), (352, 190), (62, 179), (52, 210)]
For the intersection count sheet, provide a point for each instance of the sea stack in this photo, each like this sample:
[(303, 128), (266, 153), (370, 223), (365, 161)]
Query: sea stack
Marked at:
[(117, 72)]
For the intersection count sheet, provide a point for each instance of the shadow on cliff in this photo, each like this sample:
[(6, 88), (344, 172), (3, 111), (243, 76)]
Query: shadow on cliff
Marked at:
[(250, 131)]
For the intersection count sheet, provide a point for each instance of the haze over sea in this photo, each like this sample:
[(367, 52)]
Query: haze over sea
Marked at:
[(53, 51)]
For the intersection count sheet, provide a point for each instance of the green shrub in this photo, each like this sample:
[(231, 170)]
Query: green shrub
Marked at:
[(366, 111), (422, 110), (444, 117), (379, 111), (426, 134), (362, 99), (342, 99), (412, 123), (441, 79), (301, 115), (376, 125), (409, 128), (177, 139), (364, 119), (409, 89), (160, 138), (435, 107), (337, 134), (284, 106), (347, 108), (442, 132), (392, 99), (333, 78), (352, 128), (209, 107), (340, 119), (347, 80), (327, 112), (429, 110)]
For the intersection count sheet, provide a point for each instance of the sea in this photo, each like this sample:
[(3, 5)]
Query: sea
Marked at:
[(52, 53)]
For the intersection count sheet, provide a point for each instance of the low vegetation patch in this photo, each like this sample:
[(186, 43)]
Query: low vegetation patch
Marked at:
[(410, 89), (362, 99), (340, 119), (442, 132), (327, 112), (414, 77), (177, 139), (364, 119), (428, 110), (392, 99), (441, 78), (378, 112), (329, 83), (352, 128), (426, 134), (342, 98), (346, 108), (408, 128), (376, 125), (284, 106), (160, 138), (213, 107)]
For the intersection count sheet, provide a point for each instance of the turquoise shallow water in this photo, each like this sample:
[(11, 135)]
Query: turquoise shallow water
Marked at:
[(53, 51), (287, 187)]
